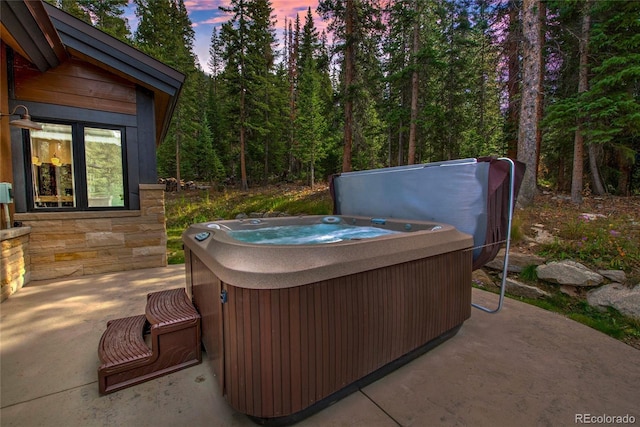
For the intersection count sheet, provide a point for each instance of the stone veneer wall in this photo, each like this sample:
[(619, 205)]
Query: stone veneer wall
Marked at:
[(66, 244), (14, 260)]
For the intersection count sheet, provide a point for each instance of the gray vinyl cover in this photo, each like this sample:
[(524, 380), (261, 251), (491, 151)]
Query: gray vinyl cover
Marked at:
[(453, 192)]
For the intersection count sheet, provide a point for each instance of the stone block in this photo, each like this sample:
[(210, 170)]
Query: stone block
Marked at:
[(149, 250), (102, 239), (74, 256), (56, 272), (38, 226), (144, 239), (46, 257), (92, 225)]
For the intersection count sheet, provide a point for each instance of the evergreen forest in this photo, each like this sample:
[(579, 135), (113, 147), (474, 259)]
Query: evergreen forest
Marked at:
[(555, 84)]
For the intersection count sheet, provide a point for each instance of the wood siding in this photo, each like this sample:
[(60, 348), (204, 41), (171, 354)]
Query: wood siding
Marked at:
[(74, 84), (286, 349)]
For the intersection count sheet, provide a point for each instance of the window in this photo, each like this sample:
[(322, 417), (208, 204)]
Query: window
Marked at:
[(103, 157), (76, 167)]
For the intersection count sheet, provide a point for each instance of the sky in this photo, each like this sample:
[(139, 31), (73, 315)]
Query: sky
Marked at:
[(205, 15)]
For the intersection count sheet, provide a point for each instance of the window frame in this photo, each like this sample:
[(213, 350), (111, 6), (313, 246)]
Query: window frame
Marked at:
[(79, 168)]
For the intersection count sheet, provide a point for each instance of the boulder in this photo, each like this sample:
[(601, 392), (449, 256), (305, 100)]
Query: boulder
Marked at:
[(617, 276), (624, 299), (568, 273), (517, 261), (481, 278), (520, 289)]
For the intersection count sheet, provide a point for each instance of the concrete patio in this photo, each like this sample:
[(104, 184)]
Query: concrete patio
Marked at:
[(521, 367)]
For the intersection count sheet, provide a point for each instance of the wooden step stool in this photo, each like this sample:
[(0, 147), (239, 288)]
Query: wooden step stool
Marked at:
[(174, 326)]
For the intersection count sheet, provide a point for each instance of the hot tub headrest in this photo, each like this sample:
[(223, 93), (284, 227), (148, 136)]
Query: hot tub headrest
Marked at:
[(470, 194)]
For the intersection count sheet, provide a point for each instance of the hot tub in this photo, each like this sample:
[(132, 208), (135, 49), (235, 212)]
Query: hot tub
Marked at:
[(291, 327)]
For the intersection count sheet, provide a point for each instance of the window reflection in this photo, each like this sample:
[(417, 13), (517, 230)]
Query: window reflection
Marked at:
[(52, 166), (103, 155)]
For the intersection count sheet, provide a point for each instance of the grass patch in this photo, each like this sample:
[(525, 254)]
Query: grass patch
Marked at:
[(192, 207), (610, 321), (529, 273), (175, 251)]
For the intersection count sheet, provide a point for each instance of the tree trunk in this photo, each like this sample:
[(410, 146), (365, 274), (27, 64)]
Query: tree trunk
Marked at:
[(400, 145), (178, 138), (349, 65), (625, 173), (411, 156), (542, 13), (312, 172), (513, 83), (583, 83), (598, 188), (530, 103), (577, 171), (243, 166)]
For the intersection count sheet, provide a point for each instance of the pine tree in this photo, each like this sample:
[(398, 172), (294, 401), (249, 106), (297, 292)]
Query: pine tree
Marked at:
[(73, 8), (398, 67), (530, 103), (165, 32), (612, 103), (357, 26), (583, 82), (235, 35), (108, 16), (311, 122)]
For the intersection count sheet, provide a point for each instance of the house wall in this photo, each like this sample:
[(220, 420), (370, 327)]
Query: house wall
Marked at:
[(15, 260), (67, 244), (75, 84)]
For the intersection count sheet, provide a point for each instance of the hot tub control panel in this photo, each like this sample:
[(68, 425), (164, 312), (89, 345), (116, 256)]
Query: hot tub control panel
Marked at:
[(202, 236)]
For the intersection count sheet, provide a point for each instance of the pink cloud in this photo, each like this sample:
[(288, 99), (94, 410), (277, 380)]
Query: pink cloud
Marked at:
[(193, 5)]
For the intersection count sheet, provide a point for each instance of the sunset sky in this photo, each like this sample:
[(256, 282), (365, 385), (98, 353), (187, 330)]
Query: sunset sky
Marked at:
[(205, 15)]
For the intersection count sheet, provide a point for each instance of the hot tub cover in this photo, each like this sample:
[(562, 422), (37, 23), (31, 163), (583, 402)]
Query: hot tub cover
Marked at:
[(470, 194)]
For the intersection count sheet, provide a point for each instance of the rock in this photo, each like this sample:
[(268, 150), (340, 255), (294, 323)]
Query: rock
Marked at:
[(572, 291), (542, 237), (241, 215), (614, 275), (590, 216), (256, 215), (517, 261), (481, 278), (520, 289), (624, 299), (568, 273)]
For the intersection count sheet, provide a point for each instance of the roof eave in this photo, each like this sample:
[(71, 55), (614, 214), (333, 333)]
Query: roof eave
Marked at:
[(122, 59), (27, 28)]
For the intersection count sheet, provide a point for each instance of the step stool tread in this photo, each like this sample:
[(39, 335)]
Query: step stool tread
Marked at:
[(123, 341), (170, 307)]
